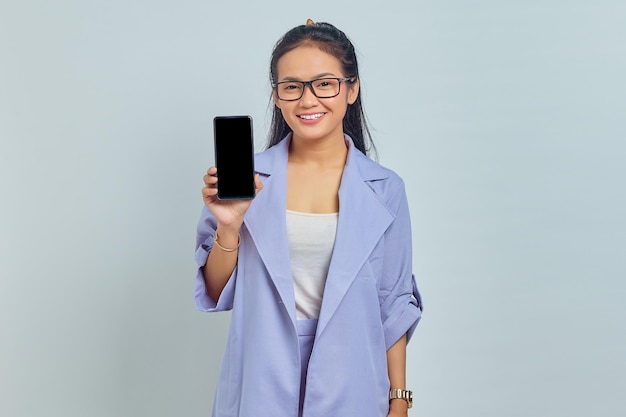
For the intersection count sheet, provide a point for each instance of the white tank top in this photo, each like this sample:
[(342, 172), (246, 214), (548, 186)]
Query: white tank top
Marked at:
[(311, 240)]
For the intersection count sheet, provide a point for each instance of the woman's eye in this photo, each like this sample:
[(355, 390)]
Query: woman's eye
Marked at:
[(291, 87), (326, 85)]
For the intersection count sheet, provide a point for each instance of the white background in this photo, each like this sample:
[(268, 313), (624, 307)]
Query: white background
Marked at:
[(505, 118)]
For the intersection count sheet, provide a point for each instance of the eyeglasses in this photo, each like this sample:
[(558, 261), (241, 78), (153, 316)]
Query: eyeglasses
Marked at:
[(321, 88)]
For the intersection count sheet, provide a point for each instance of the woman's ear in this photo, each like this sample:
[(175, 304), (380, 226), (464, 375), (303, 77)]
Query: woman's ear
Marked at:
[(353, 92)]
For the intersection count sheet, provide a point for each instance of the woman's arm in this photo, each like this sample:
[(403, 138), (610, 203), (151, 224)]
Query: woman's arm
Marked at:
[(396, 366), (229, 216), (221, 261)]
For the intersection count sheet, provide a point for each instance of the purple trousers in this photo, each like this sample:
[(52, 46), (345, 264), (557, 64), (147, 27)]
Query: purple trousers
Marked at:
[(306, 337)]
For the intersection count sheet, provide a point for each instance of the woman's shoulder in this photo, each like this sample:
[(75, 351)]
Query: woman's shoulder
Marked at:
[(267, 160), (374, 171), (383, 181)]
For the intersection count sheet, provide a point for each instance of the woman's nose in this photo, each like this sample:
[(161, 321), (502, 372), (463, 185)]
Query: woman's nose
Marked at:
[(308, 97)]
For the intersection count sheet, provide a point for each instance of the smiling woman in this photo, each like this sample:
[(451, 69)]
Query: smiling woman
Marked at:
[(317, 268), (309, 115), (325, 38)]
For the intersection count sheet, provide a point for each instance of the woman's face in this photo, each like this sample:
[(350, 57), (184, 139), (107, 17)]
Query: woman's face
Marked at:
[(312, 118)]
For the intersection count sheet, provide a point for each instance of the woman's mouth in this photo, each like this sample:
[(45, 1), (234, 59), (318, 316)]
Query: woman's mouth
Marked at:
[(314, 116)]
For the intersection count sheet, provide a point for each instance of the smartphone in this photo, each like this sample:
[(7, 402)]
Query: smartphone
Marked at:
[(234, 157)]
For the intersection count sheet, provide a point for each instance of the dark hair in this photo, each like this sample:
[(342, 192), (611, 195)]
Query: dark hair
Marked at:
[(334, 42)]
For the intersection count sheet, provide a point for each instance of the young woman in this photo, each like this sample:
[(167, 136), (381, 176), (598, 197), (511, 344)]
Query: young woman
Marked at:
[(317, 268)]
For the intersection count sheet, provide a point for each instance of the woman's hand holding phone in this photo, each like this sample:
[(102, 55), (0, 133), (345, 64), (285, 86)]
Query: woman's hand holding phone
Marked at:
[(228, 213)]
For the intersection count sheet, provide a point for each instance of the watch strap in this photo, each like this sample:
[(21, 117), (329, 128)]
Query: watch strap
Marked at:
[(402, 394)]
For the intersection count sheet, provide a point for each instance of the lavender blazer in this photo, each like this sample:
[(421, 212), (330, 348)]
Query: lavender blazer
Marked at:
[(370, 299)]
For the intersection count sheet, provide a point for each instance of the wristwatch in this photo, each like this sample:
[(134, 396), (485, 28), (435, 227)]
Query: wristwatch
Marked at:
[(402, 394)]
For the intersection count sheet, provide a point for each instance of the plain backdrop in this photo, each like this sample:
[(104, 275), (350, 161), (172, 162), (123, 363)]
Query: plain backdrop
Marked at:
[(505, 118)]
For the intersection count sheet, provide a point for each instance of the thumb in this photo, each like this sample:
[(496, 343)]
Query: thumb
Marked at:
[(257, 183)]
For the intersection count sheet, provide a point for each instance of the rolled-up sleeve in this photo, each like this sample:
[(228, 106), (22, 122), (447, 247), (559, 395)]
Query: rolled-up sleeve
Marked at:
[(204, 243), (400, 301)]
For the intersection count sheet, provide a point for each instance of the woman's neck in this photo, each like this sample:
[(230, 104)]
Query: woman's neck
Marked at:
[(325, 152)]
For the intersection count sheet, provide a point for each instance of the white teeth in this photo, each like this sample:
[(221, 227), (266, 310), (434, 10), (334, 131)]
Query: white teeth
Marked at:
[(311, 116)]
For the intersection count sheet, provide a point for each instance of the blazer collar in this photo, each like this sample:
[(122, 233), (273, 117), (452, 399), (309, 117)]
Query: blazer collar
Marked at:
[(274, 160), (363, 219)]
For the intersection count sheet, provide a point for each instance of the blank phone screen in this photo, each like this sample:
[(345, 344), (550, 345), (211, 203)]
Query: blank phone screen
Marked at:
[(234, 157)]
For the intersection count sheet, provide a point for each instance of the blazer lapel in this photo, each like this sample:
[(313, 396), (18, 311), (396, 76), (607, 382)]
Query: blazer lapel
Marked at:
[(363, 219), (265, 221)]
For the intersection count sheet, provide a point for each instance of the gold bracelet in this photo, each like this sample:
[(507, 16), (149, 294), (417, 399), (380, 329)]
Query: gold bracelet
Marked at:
[(227, 249)]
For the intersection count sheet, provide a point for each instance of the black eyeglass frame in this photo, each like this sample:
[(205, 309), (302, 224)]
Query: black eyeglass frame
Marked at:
[(310, 84)]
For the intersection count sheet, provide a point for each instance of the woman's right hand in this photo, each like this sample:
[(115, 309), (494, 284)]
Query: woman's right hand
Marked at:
[(228, 213)]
